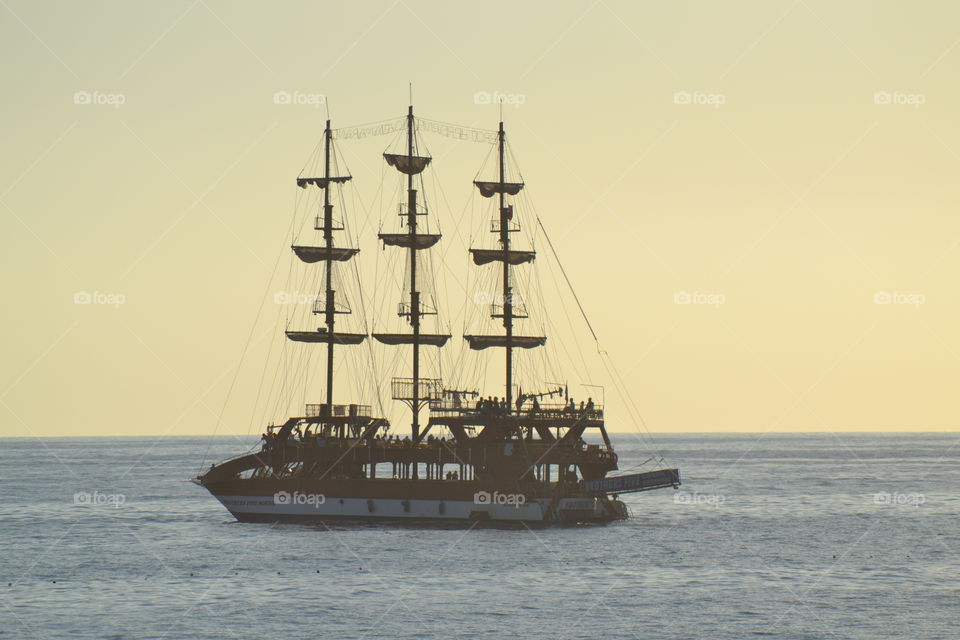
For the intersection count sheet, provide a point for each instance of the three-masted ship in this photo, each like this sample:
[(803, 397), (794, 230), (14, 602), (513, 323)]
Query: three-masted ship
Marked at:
[(468, 457)]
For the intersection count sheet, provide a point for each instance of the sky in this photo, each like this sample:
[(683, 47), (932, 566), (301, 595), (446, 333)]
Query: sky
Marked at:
[(755, 201)]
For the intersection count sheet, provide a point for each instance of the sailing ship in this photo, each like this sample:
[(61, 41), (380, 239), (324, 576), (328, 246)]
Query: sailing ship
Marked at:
[(516, 456)]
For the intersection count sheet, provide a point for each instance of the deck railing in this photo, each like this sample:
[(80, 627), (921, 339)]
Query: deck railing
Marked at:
[(448, 408), (339, 410)]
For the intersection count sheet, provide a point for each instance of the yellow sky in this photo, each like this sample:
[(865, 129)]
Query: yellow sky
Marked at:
[(756, 201)]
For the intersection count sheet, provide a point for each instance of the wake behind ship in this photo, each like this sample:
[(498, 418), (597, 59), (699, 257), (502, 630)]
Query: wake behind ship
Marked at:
[(533, 456)]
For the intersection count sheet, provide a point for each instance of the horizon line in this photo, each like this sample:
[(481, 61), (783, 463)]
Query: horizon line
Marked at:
[(645, 433)]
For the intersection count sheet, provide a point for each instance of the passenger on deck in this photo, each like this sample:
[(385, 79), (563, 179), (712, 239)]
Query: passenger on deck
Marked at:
[(590, 405), (535, 407), (581, 406)]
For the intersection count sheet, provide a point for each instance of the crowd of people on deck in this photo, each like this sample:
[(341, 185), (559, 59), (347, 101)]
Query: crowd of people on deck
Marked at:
[(492, 405), (489, 406), (271, 438)]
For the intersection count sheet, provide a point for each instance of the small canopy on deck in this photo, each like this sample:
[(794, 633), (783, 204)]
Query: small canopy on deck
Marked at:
[(478, 343), (410, 165), (430, 339), (406, 240), (486, 256), (321, 335), (489, 189), (316, 254)]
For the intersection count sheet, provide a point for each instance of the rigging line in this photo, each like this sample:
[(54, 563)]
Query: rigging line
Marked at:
[(457, 223), (513, 160), (550, 366), (486, 159), (569, 284), (625, 396), (284, 355), (243, 353), (313, 157), (366, 329), (263, 375), (573, 331)]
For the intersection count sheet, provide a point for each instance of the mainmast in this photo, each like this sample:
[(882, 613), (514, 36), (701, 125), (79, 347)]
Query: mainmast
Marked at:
[(414, 294), (507, 310), (329, 308), (415, 391), (328, 254), (505, 216)]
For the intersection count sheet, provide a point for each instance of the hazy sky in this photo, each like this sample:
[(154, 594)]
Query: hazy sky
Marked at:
[(757, 201)]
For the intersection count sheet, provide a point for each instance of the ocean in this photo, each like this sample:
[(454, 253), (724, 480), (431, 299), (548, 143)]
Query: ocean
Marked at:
[(850, 536)]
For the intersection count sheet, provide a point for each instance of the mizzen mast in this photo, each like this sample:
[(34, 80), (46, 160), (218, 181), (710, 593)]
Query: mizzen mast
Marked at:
[(507, 310)]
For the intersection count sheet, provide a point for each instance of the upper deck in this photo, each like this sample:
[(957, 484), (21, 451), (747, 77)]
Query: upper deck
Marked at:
[(450, 412)]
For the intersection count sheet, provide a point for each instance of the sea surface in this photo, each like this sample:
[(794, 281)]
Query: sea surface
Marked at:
[(771, 536)]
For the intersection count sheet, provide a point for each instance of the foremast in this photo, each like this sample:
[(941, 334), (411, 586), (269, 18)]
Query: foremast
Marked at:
[(507, 310), (412, 391), (328, 254)]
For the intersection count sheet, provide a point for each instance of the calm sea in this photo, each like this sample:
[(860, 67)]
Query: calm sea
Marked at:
[(780, 536)]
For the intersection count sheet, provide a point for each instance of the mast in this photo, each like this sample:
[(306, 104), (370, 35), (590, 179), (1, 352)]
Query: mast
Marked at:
[(329, 310), (414, 294), (508, 312), (328, 253), (417, 390), (507, 296)]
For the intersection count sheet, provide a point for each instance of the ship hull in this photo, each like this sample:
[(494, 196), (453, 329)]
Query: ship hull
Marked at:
[(297, 505)]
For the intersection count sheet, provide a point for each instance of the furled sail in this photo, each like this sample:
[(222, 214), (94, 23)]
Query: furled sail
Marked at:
[(320, 182), (321, 335), (430, 339), (410, 165), (489, 189), (478, 343), (486, 256), (316, 254), (407, 241)]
